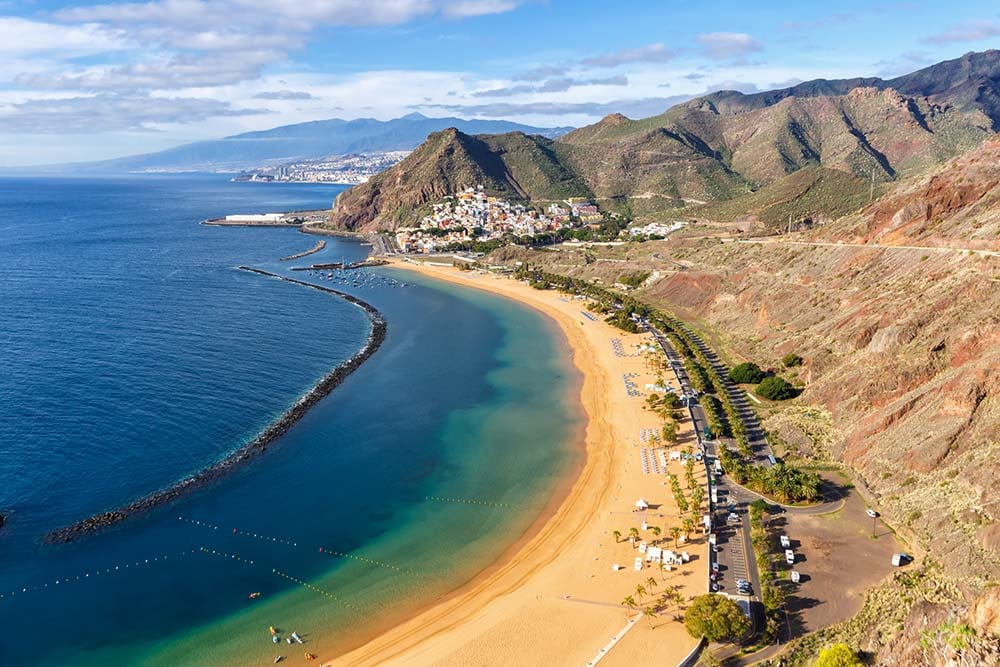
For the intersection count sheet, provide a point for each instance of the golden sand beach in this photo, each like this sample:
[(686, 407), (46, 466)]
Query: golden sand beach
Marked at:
[(555, 598)]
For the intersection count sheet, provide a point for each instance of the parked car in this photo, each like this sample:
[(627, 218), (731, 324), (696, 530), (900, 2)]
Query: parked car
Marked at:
[(734, 517), (789, 556), (872, 513)]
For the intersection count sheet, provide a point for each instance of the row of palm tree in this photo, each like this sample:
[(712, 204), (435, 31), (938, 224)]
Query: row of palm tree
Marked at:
[(670, 595), (687, 527)]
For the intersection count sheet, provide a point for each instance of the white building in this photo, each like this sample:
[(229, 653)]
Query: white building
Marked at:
[(256, 217)]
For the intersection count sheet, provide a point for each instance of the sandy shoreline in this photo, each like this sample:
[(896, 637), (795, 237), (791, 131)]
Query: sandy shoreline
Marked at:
[(553, 597)]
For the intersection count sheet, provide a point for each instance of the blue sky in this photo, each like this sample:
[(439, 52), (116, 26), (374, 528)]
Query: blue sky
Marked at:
[(89, 80)]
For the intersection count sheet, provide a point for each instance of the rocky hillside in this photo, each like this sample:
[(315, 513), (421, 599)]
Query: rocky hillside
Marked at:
[(958, 204), (514, 166), (716, 155)]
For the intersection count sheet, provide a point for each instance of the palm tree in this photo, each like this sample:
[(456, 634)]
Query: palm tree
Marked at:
[(675, 533), (656, 530), (669, 433), (663, 568), (688, 526), (650, 614), (633, 535), (629, 604), (651, 582), (640, 591), (618, 536)]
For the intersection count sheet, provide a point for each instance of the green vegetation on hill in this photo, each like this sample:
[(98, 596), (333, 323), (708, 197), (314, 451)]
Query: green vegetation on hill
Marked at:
[(808, 194)]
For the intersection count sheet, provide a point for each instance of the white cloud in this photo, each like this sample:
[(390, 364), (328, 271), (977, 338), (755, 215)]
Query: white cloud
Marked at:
[(651, 53), (23, 37), (100, 113), (180, 71), (283, 95), (556, 85), (725, 45), (969, 31), (468, 8)]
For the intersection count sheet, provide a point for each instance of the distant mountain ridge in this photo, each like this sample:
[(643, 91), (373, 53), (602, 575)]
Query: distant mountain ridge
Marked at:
[(313, 139), (723, 147)]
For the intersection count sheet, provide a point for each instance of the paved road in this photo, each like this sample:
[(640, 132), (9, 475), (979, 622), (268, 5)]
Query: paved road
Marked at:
[(734, 553), (989, 253)]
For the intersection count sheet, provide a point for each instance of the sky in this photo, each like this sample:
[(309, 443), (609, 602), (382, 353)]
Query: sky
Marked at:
[(92, 80)]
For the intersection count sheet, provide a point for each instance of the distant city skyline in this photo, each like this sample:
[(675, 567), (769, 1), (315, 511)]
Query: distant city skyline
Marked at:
[(87, 81)]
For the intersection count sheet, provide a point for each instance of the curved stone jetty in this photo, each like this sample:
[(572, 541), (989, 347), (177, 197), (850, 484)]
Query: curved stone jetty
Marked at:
[(305, 253), (251, 449)]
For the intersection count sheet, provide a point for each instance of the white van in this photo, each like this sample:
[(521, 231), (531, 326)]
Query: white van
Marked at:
[(789, 556)]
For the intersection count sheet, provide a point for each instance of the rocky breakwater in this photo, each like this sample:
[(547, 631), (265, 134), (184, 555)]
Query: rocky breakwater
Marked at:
[(251, 449)]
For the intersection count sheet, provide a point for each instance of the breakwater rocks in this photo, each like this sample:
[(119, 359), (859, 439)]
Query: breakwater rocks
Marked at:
[(253, 448), (316, 248)]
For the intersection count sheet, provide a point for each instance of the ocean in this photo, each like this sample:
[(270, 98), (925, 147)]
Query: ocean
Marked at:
[(133, 353)]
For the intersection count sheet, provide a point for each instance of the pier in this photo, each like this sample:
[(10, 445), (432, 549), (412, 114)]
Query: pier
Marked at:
[(255, 447), (341, 266)]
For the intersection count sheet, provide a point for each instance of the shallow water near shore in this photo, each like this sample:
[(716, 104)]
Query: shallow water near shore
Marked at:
[(139, 354)]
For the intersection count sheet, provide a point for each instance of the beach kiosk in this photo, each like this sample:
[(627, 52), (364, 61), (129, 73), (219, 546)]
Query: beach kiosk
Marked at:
[(641, 505)]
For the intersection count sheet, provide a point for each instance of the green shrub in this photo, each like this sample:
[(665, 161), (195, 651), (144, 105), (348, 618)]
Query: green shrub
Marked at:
[(634, 279), (775, 388), (746, 373), (791, 359), (838, 655), (716, 618)]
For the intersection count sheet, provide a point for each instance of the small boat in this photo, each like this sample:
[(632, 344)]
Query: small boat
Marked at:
[(296, 637), (288, 640), (254, 595), (278, 658), (273, 631), (310, 656), (275, 639)]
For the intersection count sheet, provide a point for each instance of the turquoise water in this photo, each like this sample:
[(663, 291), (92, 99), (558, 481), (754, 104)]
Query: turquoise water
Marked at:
[(134, 353)]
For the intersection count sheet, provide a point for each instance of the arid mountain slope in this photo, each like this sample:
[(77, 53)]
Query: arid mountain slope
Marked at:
[(956, 205), (724, 147)]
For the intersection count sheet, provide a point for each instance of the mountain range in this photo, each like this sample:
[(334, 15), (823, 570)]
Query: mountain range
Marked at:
[(303, 141), (817, 149)]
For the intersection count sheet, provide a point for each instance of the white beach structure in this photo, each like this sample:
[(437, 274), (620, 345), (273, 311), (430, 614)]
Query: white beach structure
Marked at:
[(256, 217), (641, 504)]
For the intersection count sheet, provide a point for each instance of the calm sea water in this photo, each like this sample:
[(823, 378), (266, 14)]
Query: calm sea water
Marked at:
[(133, 353)]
